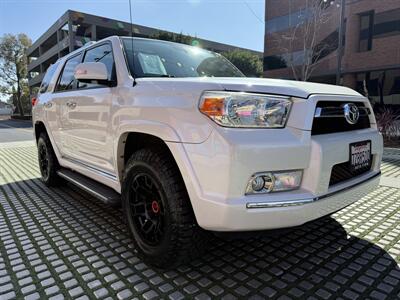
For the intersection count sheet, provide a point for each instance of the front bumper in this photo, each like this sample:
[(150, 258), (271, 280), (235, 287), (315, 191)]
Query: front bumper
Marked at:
[(282, 214), (216, 173)]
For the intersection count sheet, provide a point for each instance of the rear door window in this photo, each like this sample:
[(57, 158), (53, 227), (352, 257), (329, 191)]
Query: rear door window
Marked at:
[(47, 78), (67, 79)]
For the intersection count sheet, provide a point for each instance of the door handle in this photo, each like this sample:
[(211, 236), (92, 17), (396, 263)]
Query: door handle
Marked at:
[(48, 104), (71, 104)]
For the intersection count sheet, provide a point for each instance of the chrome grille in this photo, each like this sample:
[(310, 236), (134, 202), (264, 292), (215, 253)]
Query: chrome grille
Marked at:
[(329, 118)]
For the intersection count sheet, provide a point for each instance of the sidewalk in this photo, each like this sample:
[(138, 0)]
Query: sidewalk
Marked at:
[(391, 168)]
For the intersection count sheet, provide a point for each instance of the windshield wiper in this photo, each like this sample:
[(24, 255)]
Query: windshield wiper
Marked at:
[(163, 75), (158, 75)]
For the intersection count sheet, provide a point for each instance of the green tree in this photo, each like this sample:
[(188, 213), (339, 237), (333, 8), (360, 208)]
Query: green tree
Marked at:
[(249, 63), (14, 69), (173, 37)]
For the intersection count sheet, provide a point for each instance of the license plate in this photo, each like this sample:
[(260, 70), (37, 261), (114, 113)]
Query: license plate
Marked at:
[(360, 156)]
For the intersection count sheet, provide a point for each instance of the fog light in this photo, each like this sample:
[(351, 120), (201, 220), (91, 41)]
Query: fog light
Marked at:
[(269, 182), (257, 183), (262, 183)]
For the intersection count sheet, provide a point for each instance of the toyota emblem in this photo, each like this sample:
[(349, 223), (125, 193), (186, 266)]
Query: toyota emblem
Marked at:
[(351, 113)]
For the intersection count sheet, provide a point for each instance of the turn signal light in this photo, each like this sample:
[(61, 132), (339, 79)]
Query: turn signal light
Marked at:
[(34, 100), (213, 106)]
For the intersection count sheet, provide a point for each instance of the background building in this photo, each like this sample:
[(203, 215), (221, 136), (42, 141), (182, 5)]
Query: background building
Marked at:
[(371, 44), (73, 29), (5, 108)]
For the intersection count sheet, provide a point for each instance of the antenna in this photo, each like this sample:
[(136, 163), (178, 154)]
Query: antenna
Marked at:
[(133, 52)]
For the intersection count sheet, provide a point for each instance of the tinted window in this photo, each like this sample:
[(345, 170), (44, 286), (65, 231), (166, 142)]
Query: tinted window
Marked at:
[(47, 78), (154, 58), (103, 54), (366, 28), (274, 62), (67, 79), (381, 86), (287, 21), (387, 23)]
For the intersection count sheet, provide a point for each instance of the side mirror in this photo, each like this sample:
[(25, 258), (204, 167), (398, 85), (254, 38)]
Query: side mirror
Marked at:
[(89, 71)]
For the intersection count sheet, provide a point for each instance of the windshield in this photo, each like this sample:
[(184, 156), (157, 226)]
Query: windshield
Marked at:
[(154, 58)]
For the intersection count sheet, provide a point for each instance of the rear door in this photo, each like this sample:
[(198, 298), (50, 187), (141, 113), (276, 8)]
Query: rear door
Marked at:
[(64, 94), (46, 102)]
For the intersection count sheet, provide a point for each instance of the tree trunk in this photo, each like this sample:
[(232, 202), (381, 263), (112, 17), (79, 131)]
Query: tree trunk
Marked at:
[(19, 104), (19, 92), (381, 83)]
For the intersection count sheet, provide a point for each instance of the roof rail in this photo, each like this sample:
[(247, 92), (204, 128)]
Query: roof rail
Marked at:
[(89, 43)]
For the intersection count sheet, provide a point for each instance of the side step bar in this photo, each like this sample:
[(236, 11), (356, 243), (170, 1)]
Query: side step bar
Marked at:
[(96, 189)]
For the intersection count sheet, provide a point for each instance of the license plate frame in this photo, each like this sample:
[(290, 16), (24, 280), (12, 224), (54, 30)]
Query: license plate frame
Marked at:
[(360, 156)]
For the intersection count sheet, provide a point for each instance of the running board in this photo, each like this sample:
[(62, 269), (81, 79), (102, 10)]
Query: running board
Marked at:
[(96, 189)]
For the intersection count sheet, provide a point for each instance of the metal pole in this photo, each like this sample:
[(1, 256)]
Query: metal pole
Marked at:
[(340, 46)]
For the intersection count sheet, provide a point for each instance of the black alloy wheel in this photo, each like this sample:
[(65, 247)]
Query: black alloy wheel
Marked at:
[(158, 210), (147, 208), (43, 160), (47, 159)]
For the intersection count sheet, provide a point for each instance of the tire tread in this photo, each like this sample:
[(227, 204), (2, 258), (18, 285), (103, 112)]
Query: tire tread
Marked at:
[(188, 240)]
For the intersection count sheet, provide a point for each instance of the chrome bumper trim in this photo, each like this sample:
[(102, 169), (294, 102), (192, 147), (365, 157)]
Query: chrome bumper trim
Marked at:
[(252, 205)]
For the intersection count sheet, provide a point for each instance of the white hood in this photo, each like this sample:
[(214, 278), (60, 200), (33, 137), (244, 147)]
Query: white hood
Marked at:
[(293, 88), (282, 87)]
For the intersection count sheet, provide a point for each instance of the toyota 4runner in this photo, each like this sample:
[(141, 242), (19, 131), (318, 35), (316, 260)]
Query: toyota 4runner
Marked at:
[(191, 145)]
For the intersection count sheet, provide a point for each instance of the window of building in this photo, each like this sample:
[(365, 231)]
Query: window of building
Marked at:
[(287, 21), (103, 54), (325, 47), (67, 80), (274, 62), (285, 60), (366, 31), (387, 23), (64, 32), (382, 87)]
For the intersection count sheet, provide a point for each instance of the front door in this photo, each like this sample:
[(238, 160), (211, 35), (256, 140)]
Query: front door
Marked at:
[(87, 128)]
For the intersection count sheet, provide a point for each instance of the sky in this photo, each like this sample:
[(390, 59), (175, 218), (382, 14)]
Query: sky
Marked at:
[(235, 22)]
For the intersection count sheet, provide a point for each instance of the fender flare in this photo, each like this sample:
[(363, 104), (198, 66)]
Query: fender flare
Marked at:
[(157, 129), (49, 134)]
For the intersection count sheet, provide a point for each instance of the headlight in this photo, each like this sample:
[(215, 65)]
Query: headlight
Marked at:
[(235, 109)]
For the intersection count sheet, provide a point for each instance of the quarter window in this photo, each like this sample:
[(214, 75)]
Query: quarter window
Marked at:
[(103, 54), (67, 80)]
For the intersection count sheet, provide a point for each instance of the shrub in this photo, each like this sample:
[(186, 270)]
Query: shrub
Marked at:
[(388, 123)]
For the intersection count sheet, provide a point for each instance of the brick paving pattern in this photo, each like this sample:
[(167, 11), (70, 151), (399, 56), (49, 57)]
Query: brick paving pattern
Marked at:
[(61, 243)]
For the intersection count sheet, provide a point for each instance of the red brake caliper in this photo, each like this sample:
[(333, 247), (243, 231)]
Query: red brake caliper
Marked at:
[(155, 207)]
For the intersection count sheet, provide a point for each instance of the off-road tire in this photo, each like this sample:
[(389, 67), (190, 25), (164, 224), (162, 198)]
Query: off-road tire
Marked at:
[(49, 173), (182, 240)]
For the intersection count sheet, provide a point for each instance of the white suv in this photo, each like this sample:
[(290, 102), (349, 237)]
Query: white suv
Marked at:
[(191, 145)]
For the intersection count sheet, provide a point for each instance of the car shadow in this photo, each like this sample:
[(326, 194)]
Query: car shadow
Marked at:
[(319, 259)]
